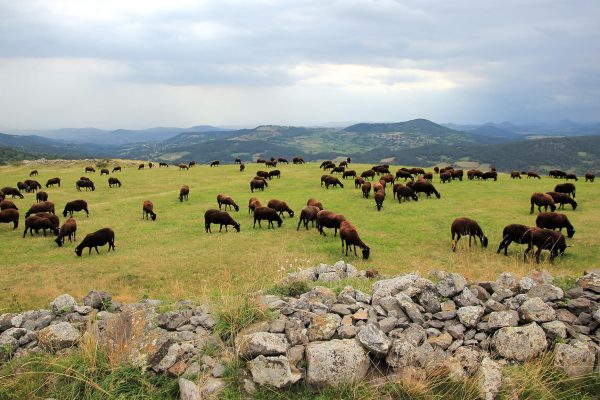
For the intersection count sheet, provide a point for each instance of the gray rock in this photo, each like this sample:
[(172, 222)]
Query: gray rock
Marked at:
[(469, 316), (57, 337), (362, 297), (346, 296), (295, 354), (546, 292), (411, 309), (374, 340), (590, 281), (340, 309), (172, 319), (505, 280), (490, 378), (277, 326), (541, 277), (581, 304), (503, 319), (451, 285), (295, 332), (596, 315), (501, 294), (387, 324), (445, 315), (519, 343), (272, 371), (535, 310), (456, 331), (480, 336), (330, 277), (442, 341), (321, 294), (346, 332), (464, 363), (271, 301), (429, 301), (555, 329), (97, 299), (261, 343), (188, 390), (65, 303), (192, 370), (466, 298), (212, 387), (448, 305), (323, 327), (169, 359), (335, 362), (493, 305), (218, 371), (526, 284), (391, 287), (576, 359)]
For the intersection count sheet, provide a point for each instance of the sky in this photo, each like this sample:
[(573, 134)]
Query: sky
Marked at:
[(139, 64)]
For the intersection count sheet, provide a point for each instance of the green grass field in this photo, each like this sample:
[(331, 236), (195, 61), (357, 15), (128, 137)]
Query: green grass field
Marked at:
[(173, 258)]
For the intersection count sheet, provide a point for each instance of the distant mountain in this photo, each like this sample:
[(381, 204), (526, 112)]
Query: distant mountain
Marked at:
[(10, 154), (56, 148), (505, 129), (496, 132)]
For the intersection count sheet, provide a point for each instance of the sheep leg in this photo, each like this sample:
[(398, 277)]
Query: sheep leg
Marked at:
[(225, 227), (537, 255), (354, 249), (254, 227)]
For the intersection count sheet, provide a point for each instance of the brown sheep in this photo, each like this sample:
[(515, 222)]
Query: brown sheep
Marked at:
[(315, 203), (253, 203), (551, 220), (52, 182), (257, 184), (379, 198), (324, 163), (226, 201), (148, 209), (457, 174), (349, 237), (329, 219), (343, 164), (32, 185), (183, 166), (323, 179), (262, 174), (53, 218), (358, 182), (191, 164), (41, 196), (75, 205), (10, 215), (368, 174), (513, 233), (378, 186), (298, 160), (85, 184), (85, 178), (542, 200), (33, 173), (338, 170), (68, 229), (141, 166), (215, 163), (465, 226), (268, 214), (308, 214), (557, 173), (98, 238), (404, 192), (571, 176), (261, 161), (425, 187), (184, 193), (515, 175), (282, 160), (118, 169), (46, 206), (276, 173), (281, 207), (446, 177), (381, 169), (428, 176), (22, 186), (590, 177), (2, 195), (7, 205), (436, 169), (490, 175), (389, 178), (150, 165), (219, 217), (112, 181), (404, 174), (366, 189), (330, 166), (90, 169), (104, 171), (270, 164), (567, 188), (163, 164), (349, 174), (242, 167), (562, 199), (533, 175), (37, 223), (545, 239), (332, 181)]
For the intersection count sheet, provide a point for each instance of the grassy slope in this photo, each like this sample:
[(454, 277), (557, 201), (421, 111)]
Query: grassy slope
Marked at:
[(173, 258)]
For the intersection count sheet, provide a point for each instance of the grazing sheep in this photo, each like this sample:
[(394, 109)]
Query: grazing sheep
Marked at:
[(104, 171), (474, 174), (33, 173), (379, 198), (266, 213), (464, 226), (7, 205), (315, 203), (184, 192), (53, 218), (436, 169), (271, 164), (381, 169), (98, 238), (404, 174), (329, 219), (425, 187), (253, 203), (68, 229), (348, 160), (118, 169), (281, 207), (533, 175), (46, 206), (366, 189), (298, 160), (457, 174), (556, 173), (85, 178), (227, 201), (567, 188), (191, 164), (545, 239), (86, 184), (428, 176), (368, 174), (378, 186), (52, 182), (323, 179), (276, 173), (2, 195), (542, 200), (389, 178), (262, 174), (215, 163), (324, 163), (404, 192), (148, 209), (490, 175), (343, 164), (349, 237), (141, 166), (338, 170), (22, 186), (257, 184), (512, 233), (32, 185), (242, 167), (332, 181), (349, 174), (329, 166), (590, 177), (10, 215), (571, 176), (150, 165), (358, 182), (90, 169), (515, 175), (112, 181), (219, 217), (417, 171), (37, 223), (308, 214), (552, 220), (446, 177), (41, 196), (183, 166), (163, 164), (261, 161), (76, 205), (562, 199), (237, 161)]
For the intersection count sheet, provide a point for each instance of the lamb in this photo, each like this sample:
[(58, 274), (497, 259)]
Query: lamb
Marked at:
[(425, 187), (112, 181), (280, 207), (545, 239), (368, 174), (551, 220), (10, 215), (37, 223), (366, 189), (316, 203), (148, 209), (226, 201), (219, 217), (33, 173), (8, 205), (276, 173), (349, 174), (266, 213), (253, 203), (183, 166), (379, 198), (358, 182), (104, 171), (404, 192), (41, 196), (86, 184), (68, 229), (329, 219), (428, 176), (215, 163), (75, 205), (308, 214), (46, 206), (184, 192), (257, 184), (52, 182), (141, 166), (515, 175), (590, 177), (542, 200), (90, 169), (533, 175), (98, 238), (567, 188), (118, 169), (562, 199), (465, 226), (332, 181), (571, 176), (513, 233), (349, 237)]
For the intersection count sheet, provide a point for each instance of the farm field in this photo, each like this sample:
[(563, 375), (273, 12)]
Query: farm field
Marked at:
[(173, 258)]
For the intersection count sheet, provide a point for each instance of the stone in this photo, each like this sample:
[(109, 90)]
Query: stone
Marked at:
[(479, 292), (469, 316), (451, 285), (519, 343), (526, 284), (429, 301), (192, 370), (502, 319), (330, 277), (97, 299), (505, 280), (340, 309), (188, 390), (541, 277), (442, 341), (535, 310), (249, 387), (169, 359), (295, 332), (374, 340), (387, 324), (321, 294), (65, 303), (596, 315), (579, 305), (411, 309), (218, 371), (590, 281), (323, 327), (58, 336), (546, 292), (445, 315), (493, 305), (177, 369), (362, 297), (261, 343), (212, 387), (172, 319), (489, 378), (456, 331), (464, 363), (360, 315), (466, 298), (295, 354), (272, 371), (555, 329), (346, 332), (501, 294), (277, 326), (336, 362), (346, 296), (448, 305), (575, 359)]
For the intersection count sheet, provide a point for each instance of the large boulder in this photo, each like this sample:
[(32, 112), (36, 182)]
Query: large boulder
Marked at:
[(65, 303), (535, 310), (519, 343), (188, 390), (272, 371), (546, 292), (451, 285), (57, 337), (590, 281), (374, 340), (469, 316), (97, 299), (502, 319), (261, 343), (323, 327), (393, 286), (576, 359), (336, 362), (490, 378)]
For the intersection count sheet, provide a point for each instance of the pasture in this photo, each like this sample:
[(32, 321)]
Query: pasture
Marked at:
[(173, 258)]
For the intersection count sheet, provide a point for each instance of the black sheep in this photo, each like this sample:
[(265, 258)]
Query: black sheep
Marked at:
[(465, 226), (10, 215), (76, 205), (349, 237), (219, 217), (552, 220), (98, 238), (513, 233), (266, 213)]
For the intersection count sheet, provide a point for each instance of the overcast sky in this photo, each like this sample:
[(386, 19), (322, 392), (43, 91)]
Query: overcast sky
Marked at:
[(138, 64)]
